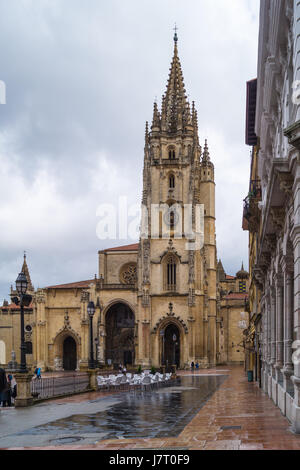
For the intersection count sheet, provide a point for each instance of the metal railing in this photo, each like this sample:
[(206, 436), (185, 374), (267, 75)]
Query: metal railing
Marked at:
[(255, 189), (50, 387)]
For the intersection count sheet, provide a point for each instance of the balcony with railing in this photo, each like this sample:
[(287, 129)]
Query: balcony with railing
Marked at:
[(251, 213)]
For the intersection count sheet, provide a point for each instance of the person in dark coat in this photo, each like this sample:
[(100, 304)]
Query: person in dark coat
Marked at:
[(5, 389), (3, 379)]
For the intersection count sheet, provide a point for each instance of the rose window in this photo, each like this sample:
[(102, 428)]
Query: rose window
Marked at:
[(128, 274)]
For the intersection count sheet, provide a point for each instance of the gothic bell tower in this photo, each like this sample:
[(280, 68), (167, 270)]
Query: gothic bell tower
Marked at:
[(177, 254)]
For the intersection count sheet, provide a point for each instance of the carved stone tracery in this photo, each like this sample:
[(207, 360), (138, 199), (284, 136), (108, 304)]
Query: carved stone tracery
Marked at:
[(128, 274)]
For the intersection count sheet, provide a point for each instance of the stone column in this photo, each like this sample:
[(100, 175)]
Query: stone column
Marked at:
[(288, 368), (146, 357), (295, 236), (268, 333), (93, 378), (273, 327), (191, 342), (269, 343), (24, 397), (40, 329), (212, 340), (85, 296), (263, 341), (279, 327), (101, 346)]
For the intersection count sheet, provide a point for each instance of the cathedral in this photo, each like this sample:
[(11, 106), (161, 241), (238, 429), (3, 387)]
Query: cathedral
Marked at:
[(165, 300)]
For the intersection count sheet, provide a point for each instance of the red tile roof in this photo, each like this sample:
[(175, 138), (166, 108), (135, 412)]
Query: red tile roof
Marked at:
[(15, 307), (133, 247), (229, 277), (236, 296)]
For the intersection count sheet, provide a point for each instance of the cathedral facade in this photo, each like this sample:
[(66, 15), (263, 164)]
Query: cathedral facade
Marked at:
[(164, 300)]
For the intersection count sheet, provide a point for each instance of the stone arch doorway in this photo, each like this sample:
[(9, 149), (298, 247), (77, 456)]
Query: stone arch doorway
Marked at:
[(120, 326), (171, 345), (69, 354)]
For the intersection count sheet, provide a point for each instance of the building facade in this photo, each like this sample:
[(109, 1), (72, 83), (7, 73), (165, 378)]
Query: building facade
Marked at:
[(160, 301), (275, 261)]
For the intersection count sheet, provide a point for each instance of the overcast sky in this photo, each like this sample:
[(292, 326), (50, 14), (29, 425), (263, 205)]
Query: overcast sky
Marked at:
[(81, 79)]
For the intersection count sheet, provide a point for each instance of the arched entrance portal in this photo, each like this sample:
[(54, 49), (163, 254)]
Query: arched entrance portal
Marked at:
[(120, 335), (171, 346), (69, 354)]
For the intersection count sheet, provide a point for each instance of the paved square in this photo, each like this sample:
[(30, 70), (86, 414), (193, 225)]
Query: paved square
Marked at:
[(235, 415)]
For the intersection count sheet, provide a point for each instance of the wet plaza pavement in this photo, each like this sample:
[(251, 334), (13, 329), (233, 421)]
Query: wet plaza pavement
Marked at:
[(161, 412), (214, 409)]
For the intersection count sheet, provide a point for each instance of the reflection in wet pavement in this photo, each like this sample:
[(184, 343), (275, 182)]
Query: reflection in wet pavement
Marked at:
[(160, 413)]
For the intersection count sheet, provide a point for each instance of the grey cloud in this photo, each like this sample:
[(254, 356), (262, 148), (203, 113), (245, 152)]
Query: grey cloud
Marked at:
[(81, 80)]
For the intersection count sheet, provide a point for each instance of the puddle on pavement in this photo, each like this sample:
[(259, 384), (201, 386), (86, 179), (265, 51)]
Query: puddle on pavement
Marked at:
[(160, 413)]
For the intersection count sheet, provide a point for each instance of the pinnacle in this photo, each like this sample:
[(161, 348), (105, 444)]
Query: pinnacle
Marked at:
[(175, 102), (25, 270), (206, 157), (176, 116)]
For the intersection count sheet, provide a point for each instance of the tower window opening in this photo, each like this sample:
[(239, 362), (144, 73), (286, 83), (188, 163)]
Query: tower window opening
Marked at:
[(172, 182), (172, 154), (171, 274), (172, 220)]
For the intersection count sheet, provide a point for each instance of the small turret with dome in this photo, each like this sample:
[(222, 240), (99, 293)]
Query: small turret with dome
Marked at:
[(242, 274)]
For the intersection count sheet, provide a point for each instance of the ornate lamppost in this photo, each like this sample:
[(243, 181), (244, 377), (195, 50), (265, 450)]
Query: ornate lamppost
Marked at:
[(24, 300), (96, 352), (91, 311)]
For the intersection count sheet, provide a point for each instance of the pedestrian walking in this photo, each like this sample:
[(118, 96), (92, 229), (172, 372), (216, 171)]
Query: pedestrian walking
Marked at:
[(192, 365), (3, 382), (13, 387), (5, 389), (197, 365), (38, 373)]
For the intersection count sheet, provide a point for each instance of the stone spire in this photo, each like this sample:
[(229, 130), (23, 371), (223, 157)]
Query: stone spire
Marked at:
[(242, 274), (207, 167), (176, 108), (221, 271), (25, 270), (156, 117), (206, 157), (146, 136)]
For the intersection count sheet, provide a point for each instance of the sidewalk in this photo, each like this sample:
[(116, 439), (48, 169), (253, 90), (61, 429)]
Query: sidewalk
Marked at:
[(239, 416)]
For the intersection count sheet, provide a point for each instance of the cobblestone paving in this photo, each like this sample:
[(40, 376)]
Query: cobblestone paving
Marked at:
[(239, 416)]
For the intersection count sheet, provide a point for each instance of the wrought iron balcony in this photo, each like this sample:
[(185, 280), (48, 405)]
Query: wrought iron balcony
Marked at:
[(255, 190)]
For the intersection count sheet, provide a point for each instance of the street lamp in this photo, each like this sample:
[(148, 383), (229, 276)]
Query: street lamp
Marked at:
[(21, 284), (91, 312), (96, 351), (21, 287)]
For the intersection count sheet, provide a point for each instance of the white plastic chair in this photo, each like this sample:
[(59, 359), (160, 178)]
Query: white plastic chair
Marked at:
[(117, 381), (102, 382)]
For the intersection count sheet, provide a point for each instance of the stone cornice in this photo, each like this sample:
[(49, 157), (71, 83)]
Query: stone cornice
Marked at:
[(293, 134), (272, 207), (295, 234)]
